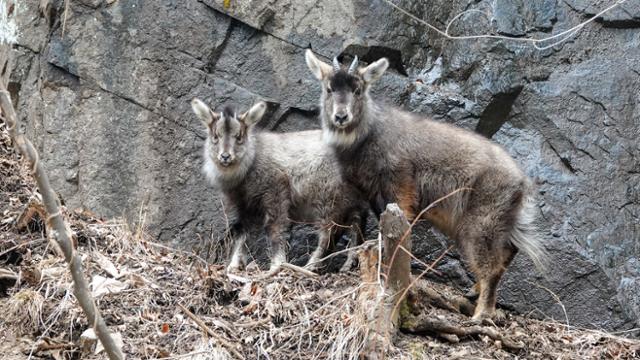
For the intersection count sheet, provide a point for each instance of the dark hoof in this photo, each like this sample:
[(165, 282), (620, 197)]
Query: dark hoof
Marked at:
[(500, 317), (472, 294)]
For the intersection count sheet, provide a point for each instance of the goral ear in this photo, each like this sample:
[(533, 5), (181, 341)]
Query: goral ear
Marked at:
[(374, 71), (204, 113), (320, 69), (254, 114)]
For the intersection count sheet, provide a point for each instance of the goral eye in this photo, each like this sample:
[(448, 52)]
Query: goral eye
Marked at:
[(239, 139), (329, 90)]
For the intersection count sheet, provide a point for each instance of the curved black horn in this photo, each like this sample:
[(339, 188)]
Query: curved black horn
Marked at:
[(336, 64), (354, 65)]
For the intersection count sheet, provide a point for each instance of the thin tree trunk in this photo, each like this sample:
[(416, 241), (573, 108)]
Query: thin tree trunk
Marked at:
[(57, 227)]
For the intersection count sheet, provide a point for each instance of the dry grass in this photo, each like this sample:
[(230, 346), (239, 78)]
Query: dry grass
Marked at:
[(24, 310), (141, 285)]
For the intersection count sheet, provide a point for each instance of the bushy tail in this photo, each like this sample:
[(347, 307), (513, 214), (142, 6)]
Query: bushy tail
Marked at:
[(525, 237)]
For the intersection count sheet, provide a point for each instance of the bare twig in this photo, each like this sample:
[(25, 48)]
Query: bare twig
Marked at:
[(59, 229), (20, 245), (413, 282), (191, 355), (336, 253), (299, 269), (556, 298), (424, 211), (275, 271), (227, 345), (253, 324)]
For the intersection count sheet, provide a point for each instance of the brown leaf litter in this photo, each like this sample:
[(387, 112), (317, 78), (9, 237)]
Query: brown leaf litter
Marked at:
[(149, 296)]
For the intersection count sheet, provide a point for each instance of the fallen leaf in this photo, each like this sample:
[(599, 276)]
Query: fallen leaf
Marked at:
[(154, 351), (165, 328), (34, 212), (101, 286), (137, 280), (346, 319), (249, 293), (88, 340), (249, 309), (106, 265)]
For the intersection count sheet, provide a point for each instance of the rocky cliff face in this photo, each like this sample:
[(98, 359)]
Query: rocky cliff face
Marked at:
[(108, 105)]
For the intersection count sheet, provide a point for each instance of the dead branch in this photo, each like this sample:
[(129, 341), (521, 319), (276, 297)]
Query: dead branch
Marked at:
[(275, 271), (427, 323), (340, 252), (453, 303), (238, 278), (8, 275), (46, 345), (211, 333), (58, 227), (298, 269)]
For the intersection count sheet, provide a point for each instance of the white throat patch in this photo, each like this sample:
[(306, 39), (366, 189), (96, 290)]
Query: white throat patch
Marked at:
[(339, 137)]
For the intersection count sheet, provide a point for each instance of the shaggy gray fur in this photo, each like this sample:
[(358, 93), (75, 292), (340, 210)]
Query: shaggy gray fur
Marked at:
[(394, 156), (270, 180)]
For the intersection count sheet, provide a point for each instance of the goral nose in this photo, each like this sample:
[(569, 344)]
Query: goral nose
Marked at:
[(341, 119), (225, 157)]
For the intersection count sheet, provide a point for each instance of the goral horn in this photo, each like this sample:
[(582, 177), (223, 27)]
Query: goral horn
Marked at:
[(354, 65), (336, 64)]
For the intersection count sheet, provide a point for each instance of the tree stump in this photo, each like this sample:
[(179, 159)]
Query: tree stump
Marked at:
[(382, 297)]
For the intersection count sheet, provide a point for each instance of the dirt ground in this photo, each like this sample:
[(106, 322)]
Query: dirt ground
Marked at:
[(149, 294)]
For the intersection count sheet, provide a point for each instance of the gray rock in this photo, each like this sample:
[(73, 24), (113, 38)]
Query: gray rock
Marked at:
[(597, 209), (623, 16), (519, 17), (108, 106)]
